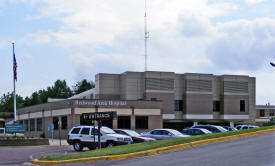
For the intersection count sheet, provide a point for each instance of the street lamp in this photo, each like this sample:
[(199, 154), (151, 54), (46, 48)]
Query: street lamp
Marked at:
[(272, 64)]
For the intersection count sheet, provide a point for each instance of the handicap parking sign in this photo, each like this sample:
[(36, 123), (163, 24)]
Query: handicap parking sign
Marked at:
[(52, 127)]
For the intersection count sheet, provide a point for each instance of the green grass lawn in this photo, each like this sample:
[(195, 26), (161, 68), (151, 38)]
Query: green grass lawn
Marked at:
[(124, 149)]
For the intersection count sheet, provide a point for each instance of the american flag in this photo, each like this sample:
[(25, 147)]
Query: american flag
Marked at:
[(14, 67)]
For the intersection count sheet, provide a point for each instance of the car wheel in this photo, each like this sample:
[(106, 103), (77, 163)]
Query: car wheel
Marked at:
[(78, 146), (110, 144)]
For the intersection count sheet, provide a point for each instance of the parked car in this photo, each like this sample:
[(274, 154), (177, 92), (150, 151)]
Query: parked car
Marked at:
[(212, 128), (136, 137), (242, 127), (87, 136), (195, 131), (230, 128), (160, 134)]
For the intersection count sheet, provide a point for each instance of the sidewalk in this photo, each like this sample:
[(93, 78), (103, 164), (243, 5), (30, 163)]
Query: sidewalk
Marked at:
[(56, 142)]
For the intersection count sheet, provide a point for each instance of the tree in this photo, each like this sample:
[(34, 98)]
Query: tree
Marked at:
[(59, 90), (82, 86), (6, 102), (271, 121)]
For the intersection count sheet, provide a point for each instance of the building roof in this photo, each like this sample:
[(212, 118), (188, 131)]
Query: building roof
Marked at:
[(265, 106), (83, 94)]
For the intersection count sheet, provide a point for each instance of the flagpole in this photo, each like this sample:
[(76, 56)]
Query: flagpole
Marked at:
[(14, 92)]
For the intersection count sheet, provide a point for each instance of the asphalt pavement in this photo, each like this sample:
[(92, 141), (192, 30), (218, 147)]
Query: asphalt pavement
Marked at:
[(15, 156), (250, 151)]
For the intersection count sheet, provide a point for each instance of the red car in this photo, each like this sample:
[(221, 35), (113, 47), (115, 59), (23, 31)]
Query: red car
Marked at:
[(136, 137)]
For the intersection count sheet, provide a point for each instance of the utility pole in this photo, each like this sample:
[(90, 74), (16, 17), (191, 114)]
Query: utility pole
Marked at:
[(146, 36)]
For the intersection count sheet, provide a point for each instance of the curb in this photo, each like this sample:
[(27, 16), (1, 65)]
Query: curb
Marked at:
[(154, 151)]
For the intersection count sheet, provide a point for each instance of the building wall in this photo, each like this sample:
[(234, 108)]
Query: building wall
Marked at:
[(234, 89), (252, 99), (132, 86), (73, 112), (196, 91), (108, 86), (199, 104), (268, 113)]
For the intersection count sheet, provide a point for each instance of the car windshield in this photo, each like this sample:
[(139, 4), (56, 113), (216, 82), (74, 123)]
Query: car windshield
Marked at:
[(175, 132), (107, 130), (206, 131), (221, 129), (132, 133)]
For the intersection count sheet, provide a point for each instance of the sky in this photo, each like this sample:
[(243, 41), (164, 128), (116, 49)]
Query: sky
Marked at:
[(73, 40)]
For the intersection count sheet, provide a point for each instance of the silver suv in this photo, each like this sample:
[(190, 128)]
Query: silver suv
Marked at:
[(87, 136)]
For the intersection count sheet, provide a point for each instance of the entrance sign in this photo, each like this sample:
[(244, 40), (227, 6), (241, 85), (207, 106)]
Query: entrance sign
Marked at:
[(99, 116), (15, 128)]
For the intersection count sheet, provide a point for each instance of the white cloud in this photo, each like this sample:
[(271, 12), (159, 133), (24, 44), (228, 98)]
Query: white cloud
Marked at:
[(243, 44), (253, 2), (101, 22), (107, 36)]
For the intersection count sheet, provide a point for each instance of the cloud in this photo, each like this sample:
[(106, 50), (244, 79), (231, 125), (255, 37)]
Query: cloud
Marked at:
[(194, 26), (253, 2), (243, 44), (185, 36), (86, 66)]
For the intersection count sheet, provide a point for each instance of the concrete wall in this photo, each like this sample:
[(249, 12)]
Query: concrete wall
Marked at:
[(197, 92), (107, 86), (132, 86)]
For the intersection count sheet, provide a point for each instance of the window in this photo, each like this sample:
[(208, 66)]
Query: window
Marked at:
[(85, 131), (242, 105), (156, 132), (26, 122), (262, 113), (197, 132), (1, 131), (55, 123), (95, 131), (216, 106), (75, 131), (164, 132), (32, 125), (39, 124), (124, 122), (153, 99), (271, 112), (178, 106), (64, 122), (107, 123), (141, 122)]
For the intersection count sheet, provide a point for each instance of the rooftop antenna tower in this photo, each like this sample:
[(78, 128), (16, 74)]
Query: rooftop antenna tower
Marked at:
[(146, 36)]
